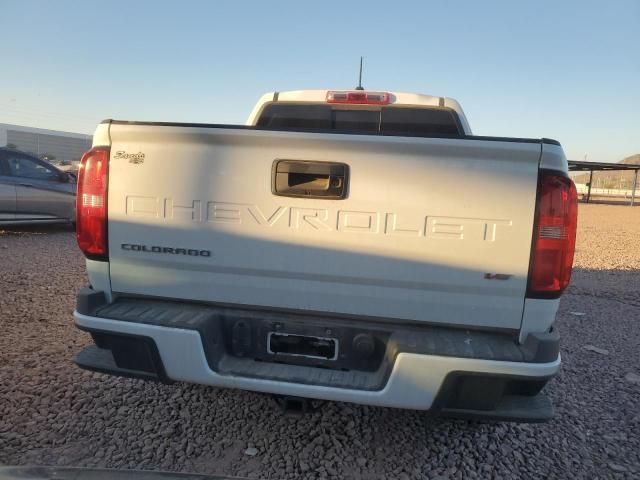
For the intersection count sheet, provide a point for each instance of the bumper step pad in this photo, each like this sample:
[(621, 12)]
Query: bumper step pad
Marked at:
[(511, 408), (101, 360)]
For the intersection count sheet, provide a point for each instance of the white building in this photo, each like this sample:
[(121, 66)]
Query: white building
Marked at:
[(62, 146)]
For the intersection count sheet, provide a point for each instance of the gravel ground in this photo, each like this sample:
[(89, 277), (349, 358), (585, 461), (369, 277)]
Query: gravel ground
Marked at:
[(54, 413)]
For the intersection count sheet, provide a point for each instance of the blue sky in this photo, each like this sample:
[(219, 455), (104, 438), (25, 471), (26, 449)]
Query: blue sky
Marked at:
[(568, 70)]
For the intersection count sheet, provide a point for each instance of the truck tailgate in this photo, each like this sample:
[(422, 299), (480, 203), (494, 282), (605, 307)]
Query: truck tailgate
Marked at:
[(432, 230)]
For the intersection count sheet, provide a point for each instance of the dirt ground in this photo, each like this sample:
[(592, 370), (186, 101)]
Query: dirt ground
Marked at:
[(53, 413)]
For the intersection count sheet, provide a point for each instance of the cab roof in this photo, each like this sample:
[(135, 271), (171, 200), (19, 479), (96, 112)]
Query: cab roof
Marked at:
[(320, 96)]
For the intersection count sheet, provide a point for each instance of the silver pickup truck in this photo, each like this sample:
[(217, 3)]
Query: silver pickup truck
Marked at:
[(352, 246)]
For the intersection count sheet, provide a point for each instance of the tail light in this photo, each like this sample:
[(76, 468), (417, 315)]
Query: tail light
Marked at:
[(91, 203), (554, 236), (359, 97)]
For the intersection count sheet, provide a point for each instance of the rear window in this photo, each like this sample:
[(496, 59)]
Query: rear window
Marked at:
[(418, 121), (401, 121), (355, 120), (301, 117)]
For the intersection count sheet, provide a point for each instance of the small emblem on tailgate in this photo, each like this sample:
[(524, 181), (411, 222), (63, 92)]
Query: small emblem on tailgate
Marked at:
[(497, 276), (134, 158)]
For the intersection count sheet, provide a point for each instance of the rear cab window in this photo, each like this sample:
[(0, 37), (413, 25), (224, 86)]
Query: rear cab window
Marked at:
[(387, 120)]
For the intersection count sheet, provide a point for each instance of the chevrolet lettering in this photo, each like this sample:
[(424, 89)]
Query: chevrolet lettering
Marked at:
[(321, 219)]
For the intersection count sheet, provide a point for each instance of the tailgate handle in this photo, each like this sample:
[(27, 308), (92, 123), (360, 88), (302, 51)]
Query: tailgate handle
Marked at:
[(298, 178)]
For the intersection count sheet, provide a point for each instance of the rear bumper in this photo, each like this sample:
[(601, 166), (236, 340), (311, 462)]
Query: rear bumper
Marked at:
[(455, 385)]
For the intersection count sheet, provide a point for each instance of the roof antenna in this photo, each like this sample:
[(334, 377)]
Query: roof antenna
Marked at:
[(360, 87)]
